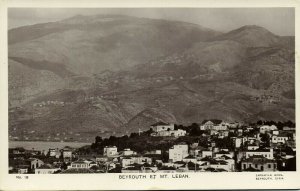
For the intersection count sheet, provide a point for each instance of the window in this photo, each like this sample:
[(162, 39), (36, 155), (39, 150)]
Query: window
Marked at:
[(269, 165), (244, 166), (262, 167), (255, 165)]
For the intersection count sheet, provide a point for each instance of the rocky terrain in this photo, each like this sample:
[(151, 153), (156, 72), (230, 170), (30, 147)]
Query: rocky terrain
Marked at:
[(111, 75)]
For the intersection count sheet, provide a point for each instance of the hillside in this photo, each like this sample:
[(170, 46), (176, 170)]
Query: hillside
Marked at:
[(112, 75)]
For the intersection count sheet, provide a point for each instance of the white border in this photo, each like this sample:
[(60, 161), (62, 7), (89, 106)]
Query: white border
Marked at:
[(228, 180)]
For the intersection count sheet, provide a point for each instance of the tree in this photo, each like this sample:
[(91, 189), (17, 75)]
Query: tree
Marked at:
[(64, 166), (290, 164), (98, 139), (195, 130), (165, 156), (118, 169), (133, 135), (259, 122), (266, 139)]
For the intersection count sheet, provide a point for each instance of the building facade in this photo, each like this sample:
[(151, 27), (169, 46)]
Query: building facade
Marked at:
[(178, 152)]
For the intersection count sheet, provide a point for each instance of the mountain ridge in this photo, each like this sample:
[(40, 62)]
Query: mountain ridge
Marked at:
[(123, 76)]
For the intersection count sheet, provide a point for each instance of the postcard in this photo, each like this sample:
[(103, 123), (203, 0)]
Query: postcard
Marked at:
[(145, 95)]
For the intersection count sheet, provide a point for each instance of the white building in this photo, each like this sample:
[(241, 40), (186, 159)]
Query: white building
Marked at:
[(207, 126), (161, 126), (252, 147), (267, 153), (54, 153), (220, 127), (80, 164), (252, 140), (110, 151), (280, 138), (238, 142), (267, 128), (155, 152), (170, 133), (46, 169), (128, 152), (178, 152), (275, 132), (223, 134), (67, 153), (126, 161), (22, 169), (207, 154)]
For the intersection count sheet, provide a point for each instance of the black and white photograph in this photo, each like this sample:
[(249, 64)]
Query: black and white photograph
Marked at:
[(151, 90), (132, 91)]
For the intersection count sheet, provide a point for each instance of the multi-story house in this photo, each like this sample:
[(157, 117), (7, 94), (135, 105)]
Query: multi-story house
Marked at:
[(280, 138), (259, 163), (110, 151), (34, 163), (207, 126), (54, 153), (81, 163), (268, 153), (207, 153), (178, 152), (67, 154), (170, 133), (252, 147), (267, 128), (161, 126), (128, 152), (162, 129), (46, 169)]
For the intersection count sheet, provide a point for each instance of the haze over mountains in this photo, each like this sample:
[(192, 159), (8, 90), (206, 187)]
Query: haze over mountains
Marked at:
[(113, 74)]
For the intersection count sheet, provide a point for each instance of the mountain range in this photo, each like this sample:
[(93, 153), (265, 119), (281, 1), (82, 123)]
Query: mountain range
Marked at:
[(115, 74)]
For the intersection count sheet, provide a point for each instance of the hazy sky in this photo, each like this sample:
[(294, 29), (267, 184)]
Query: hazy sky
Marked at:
[(280, 21)]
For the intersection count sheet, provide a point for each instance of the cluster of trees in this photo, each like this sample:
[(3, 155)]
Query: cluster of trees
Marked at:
[(278, 124), (192, 130), (137, 142)]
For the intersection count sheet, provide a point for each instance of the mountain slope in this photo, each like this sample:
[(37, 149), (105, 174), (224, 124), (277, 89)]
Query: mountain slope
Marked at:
[(111, 75), (252, 36), (91, 44)]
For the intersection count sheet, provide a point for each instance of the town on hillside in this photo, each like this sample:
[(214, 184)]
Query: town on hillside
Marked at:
[(212, 146)]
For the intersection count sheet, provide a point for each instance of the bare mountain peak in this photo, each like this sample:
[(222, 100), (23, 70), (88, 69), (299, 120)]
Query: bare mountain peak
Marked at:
[(252, 36), (251, 29), (88, 19)]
